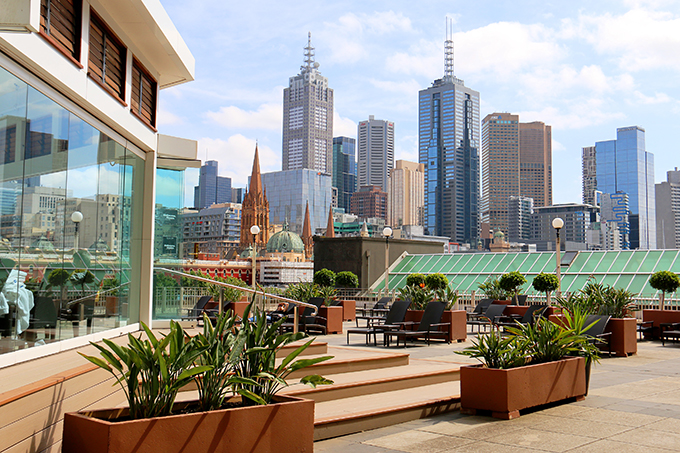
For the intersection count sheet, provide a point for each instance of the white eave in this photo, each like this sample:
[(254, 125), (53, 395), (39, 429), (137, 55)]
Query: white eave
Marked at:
[(148, 25)]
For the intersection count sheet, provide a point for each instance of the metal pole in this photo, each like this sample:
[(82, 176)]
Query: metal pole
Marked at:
[(387, 265), (558, 270)]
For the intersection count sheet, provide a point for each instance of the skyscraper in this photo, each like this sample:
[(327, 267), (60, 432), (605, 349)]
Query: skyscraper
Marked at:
[(448, 141), (519, 218), (369, 201), (589, 175), (500, 168), (668, 211), (535, 162), (405, 197), (211, 188), (308, 118), (344, 169), (376, 152), (623, 165)]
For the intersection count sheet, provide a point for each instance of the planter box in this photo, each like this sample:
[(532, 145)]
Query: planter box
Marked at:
[(333, 317), (506, 392), (287, 426), (349, 310), (238, 307), (456, 318), (658, 317), (111, 305), (624, 336)]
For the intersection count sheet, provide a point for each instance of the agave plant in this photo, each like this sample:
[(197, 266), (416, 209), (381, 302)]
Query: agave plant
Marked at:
[(495, 351), (419, 296)]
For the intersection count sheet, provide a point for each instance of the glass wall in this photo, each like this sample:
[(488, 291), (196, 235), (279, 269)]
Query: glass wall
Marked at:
[(70, 200)]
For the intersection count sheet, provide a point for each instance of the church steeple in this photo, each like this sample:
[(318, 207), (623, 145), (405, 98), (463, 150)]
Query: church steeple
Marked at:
[(330, 228), (256, 177), (255, 208), (307, 235)]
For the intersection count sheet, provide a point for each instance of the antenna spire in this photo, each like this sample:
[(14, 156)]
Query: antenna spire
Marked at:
[(309, 53), (448, 51)]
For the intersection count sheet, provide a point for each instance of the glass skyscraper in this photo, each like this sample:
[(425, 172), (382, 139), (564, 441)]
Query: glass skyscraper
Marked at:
[(448, 146), (344, 169), (623, 165), (211, 188)]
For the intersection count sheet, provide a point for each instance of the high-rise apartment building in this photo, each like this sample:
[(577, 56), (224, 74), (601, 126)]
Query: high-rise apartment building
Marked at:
[(668, 211), (535, 162), (615, 208), (519, 218), (623, 165), (589, 175), (344, 170), (308, 118), (448, 143), (577, 218), (406, 194), (211, 188), (376, 152), (500, 168), (369, 201)]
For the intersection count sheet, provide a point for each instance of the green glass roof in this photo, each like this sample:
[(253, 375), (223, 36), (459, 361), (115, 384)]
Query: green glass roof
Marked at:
[(628, 269)]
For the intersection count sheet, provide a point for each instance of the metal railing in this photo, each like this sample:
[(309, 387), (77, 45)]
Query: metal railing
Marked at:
[(261, 293)]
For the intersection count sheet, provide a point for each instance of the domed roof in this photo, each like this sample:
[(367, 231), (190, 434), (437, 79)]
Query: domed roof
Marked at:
[(285, 241), (498, 234), (247, 253)]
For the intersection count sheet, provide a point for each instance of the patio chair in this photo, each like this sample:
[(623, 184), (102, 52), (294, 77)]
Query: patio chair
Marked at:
[(379, 307), (395, 316), (428, 327), (596, 331), (491, 316), (528, 318), (307, 321), (198, 309), (669, 331), (480, 308)]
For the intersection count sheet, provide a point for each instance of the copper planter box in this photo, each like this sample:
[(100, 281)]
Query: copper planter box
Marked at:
[(333, 317), (456, 318), (287, 426), (624, 336), (506, 392)]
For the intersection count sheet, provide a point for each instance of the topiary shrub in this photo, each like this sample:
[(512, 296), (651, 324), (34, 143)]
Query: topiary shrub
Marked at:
[(324, 277), (512, 282), (436, 281), (415, 280), (546, 283), (346, 279), (666, 282)]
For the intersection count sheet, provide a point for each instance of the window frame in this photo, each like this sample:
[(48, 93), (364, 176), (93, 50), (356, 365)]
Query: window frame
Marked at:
[(137, 112), (107, 35), (46, 30)]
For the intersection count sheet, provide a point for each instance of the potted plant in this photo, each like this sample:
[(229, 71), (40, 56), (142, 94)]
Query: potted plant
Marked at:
[(225, 358), (347, 280), (545, 283), (492, 290), (334, 314), (324, 277), (511, 283), (666, 282), (535, 364), (110, 288), (456, 318)]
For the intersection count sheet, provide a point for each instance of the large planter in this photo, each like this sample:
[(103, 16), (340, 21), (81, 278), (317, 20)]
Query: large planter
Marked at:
[(623, 338), (505, 392), (238, 307), (333, 317), (659, 317), (349, 310), (111, 306), (457, 320), (287, 426)]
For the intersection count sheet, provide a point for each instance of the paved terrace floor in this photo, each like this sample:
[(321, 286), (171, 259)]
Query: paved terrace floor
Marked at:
[(633, 405)]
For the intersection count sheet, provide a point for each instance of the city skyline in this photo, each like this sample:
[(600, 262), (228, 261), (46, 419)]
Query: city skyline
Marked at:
[(590, 68)]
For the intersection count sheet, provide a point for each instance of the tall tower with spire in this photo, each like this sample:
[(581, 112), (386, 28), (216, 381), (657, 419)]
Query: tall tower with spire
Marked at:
[(448, 147), (307, 237), (255, 208), (308, 118)]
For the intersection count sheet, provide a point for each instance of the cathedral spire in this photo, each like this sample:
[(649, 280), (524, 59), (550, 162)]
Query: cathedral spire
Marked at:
[(330, 228), (256, 178), (307, 234)]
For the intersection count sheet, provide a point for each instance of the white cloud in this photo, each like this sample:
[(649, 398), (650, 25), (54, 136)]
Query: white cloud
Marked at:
[(581, 113), (658, 98), (235, 157), (408, 87), (267, 116), (343, 127), (166, 118)]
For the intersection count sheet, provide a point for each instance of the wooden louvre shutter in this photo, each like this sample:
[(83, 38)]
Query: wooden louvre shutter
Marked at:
[(106, 62), (143, 101), (60, 20)]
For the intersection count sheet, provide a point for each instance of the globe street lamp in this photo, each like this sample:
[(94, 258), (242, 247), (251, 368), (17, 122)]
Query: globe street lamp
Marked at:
[(254, 230), (76, 218), (387, 232), (558, 223)]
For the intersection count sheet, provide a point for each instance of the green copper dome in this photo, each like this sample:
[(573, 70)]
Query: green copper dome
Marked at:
[(285, 241)]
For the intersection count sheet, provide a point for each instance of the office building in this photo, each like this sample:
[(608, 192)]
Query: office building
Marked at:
[(375, 152), (519, 218), (668, 211), (289, 192), (237, 194), (213, 231), (573, 235), (615, 208), (448, 147), (369, 201), (624, 166), (308, 118), (406, 194), (344, 170), (211, 188), (589, 175), (535, 162), (500, 168)]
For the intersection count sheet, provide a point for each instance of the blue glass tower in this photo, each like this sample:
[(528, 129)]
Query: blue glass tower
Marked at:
[(448, 146), (623, 165), (211, 188), (344, 169)]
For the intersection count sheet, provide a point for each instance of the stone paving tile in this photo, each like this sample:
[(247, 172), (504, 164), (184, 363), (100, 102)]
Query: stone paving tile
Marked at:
[(418, 442), (589, 428), (611, 446), (488, 447), (340, 444), (668, 424), (564, 410), (477, 428), (544, 440), (632, 419), (640, 389), (650, 437)]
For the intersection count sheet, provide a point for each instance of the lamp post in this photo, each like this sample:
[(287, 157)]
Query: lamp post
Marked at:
[(254, 230), (558, 223), (387, 232), (76, 218)]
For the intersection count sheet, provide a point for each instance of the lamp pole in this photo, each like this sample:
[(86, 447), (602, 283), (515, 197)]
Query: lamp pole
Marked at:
[(254, 230), (76, 218), (387, 232), (558, 223)]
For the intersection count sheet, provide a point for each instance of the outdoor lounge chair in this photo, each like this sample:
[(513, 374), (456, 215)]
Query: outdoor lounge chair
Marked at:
[(428, 327), (528, 318), (395, 316), (479, 310), (596, 331), (491, 316), (669, 331), (307, 321), (198, 309), (379, 307)]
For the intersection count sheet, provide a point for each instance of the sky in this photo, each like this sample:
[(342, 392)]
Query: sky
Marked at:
[(583, 67)]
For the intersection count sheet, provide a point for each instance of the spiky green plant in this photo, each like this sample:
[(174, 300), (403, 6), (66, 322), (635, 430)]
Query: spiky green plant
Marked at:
[(496, 351)]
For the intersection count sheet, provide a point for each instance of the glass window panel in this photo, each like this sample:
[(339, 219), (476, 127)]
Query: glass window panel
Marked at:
[(590, 265), (635, 261), (492, 263), (451, 263), (606, 261), (579, 261), (528, 262), (425, 263), (434, 264), (398, 281), (567, 280), (464, 285), (609, 279), (638, 283), (542, 261), (476, 281), (575, 285), (406, 265), (517, 261), (620, 262), (476, 258), (666, 260), (624, 281), (649, 263), (504, 265), (482, 263)]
